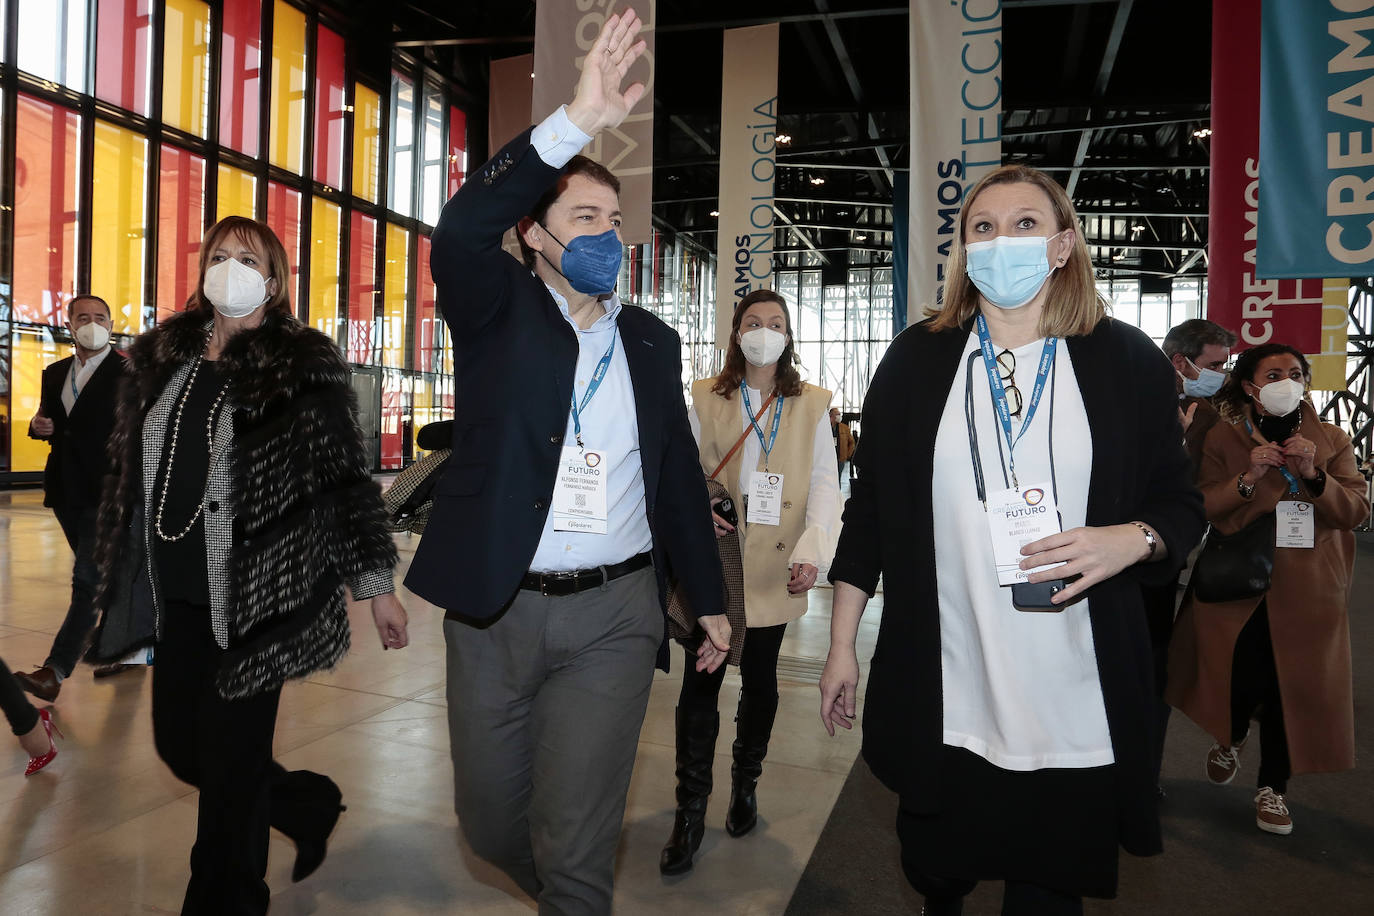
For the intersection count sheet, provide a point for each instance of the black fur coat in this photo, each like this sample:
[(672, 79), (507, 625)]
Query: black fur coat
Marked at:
[(306, 515)]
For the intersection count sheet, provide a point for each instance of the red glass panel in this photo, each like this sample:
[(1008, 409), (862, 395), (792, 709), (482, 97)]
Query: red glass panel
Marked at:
[(284, 216), (181, 226), (428, 330), (362, 287), (240, 72), (329, 108), (457, 149), (393, 409), (47, 146), (123, 28)]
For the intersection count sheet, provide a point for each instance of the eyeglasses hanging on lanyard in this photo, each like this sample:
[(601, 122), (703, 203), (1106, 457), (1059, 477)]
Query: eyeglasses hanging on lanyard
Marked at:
[(597, 375), (999, 391), (773, 434)]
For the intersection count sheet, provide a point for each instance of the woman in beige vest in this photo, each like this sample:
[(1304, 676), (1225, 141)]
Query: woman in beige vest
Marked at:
[(782, 479)]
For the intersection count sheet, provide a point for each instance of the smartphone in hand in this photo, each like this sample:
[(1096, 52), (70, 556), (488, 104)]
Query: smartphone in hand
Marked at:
[(726, 510)]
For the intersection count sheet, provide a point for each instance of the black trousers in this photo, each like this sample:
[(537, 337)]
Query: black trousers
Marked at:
[(1255, 692), (1019, 898), (224, 749), (78, 524), (758, 668), (1161, 604), (18, 710)]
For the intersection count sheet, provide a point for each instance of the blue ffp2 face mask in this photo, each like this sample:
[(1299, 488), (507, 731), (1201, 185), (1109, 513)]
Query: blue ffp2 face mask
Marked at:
[(1008, 270), (1207, 383), (590, 263)]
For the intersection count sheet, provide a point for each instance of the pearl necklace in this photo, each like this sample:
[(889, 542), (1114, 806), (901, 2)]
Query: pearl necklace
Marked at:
[(172, 453)]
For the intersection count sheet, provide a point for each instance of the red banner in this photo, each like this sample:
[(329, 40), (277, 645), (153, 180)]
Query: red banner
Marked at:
[(1259, 311)]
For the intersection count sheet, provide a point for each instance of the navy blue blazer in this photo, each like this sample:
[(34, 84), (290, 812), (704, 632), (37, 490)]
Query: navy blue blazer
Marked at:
[(514, 359), (78, 462)]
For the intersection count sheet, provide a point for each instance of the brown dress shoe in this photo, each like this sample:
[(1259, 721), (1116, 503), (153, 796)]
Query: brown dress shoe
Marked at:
[(110, 670), (41, 682)]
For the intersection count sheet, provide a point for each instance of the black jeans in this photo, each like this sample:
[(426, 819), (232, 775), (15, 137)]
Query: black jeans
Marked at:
[(18, 710), (224, 749), (758, 667), (78, 524), (1255, 692)]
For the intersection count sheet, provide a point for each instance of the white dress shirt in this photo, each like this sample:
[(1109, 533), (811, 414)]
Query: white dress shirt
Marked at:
[(78, 375)]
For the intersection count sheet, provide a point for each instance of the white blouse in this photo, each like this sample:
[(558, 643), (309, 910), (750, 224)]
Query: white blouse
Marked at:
[(823, 504), (1021, 688)]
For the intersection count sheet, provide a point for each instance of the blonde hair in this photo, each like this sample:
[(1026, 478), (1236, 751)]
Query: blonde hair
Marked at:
[(1073, 305)]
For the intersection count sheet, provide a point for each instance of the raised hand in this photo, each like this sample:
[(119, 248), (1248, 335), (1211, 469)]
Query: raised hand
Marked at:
[(598, 102)]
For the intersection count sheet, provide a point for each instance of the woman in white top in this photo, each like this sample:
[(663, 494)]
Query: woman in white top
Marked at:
[(765, 435), (1017, 428)]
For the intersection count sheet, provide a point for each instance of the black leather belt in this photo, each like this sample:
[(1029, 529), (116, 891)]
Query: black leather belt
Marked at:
[(557, 584)]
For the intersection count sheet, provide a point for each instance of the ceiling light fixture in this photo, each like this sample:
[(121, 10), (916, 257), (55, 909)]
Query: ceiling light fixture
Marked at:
[(818, 181), (784, 139), (860, 238), (1202, 133), (715, 213)]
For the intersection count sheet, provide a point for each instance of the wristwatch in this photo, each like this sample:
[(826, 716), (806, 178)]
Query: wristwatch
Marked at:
[(1151, 542)]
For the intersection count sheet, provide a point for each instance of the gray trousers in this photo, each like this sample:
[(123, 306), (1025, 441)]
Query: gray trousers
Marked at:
[(544, 711)]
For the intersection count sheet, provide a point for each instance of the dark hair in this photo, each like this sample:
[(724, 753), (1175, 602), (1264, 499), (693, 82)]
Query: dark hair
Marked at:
[(265, 239), (577, 165), (71, 303), (1232, 400), (787, 381), (1190, 337)]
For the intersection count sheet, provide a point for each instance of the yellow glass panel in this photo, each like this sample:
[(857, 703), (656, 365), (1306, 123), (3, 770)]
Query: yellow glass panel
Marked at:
[(367, 141), (394, 296), (325, 221), (422, 409), (119, 180), (237, 193), (32, 349), (287, 143), (186, 65)]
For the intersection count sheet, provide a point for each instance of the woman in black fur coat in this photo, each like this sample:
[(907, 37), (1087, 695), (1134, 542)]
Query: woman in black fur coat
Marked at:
[(241, 507)]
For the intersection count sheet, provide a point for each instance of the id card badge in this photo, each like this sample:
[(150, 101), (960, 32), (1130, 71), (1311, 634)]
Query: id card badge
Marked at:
[(1296, 524), (1015, 518), (765, 499), (579, 493)]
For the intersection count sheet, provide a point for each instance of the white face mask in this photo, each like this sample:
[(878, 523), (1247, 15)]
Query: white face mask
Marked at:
[(1282, 397), (234, 288), (762, 346), (92, 336)]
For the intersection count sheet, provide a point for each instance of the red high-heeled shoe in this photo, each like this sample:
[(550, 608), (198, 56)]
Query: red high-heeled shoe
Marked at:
[(42, 760)]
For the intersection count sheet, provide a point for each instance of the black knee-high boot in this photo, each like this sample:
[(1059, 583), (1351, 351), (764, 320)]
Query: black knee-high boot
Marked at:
[(696, 751), (305, 806), (753, 726)]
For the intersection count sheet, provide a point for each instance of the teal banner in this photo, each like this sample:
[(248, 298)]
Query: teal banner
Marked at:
[(1316, 162)]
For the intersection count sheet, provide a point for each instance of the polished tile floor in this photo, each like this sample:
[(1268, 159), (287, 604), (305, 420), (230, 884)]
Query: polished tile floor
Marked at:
[(106, 829)]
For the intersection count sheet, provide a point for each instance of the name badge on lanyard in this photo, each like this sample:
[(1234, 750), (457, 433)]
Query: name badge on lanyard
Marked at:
[(1296, 524), (1015, 518), (765, 499)]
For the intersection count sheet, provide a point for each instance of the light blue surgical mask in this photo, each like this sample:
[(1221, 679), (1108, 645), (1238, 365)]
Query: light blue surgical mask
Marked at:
[(1207, 383), (591, 263), (1009, 270)]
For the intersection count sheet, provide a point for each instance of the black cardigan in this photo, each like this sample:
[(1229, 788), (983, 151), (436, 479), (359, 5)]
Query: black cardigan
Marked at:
[(1140, 472)]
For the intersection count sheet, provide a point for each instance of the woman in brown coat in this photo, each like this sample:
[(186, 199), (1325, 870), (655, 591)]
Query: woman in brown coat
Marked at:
[(1284, 656)]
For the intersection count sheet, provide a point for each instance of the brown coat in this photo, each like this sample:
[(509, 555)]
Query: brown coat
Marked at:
[(1307, 602)]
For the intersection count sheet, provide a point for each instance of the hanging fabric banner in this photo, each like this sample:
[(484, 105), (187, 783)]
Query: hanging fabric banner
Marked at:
[(956, 129), (748, 159), (1241, 295), (563, 34), (510, 89)]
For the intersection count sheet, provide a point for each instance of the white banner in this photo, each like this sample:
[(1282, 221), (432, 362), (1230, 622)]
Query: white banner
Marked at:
[(748, 159), (956, 129)]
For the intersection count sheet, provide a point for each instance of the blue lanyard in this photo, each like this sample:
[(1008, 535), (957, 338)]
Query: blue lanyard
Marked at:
[(1287, 474), (777, 418), (592, 386), (999, 391), (75, 393)]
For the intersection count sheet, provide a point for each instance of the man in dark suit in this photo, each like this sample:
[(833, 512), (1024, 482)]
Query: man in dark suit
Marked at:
[(573, 492), (75, 415)]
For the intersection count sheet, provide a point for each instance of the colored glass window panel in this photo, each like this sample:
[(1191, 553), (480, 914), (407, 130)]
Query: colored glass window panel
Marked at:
[(180, 228), (434, 169), (395, 290), (362, 288), (46, 202), (367, 141), (31, 349), (429, 327), (54, 41), (401, 174), (240, 64), (284, 216), (330, 111), (324, 267), (393, 413), (457, 149), (186, 65), (423, 410), (237, 193), (124, 42), (286, 145), (119, 226)]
